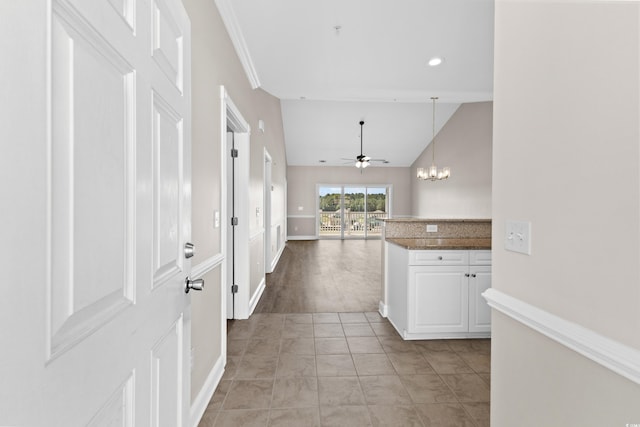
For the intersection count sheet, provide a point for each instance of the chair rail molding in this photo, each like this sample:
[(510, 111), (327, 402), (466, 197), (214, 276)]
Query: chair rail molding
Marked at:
[(611, 354)]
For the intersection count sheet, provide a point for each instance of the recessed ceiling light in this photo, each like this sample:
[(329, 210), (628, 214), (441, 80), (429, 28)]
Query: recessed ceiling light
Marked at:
[(435, 61)]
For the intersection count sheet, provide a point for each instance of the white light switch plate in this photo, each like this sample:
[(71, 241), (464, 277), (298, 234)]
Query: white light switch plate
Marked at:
[(518, 237)]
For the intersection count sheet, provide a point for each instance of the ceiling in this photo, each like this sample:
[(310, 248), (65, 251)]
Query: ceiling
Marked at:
[(336, 62)]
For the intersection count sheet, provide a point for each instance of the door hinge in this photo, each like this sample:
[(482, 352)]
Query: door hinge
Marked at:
[(234, 153), (234, 289), (234, 220)]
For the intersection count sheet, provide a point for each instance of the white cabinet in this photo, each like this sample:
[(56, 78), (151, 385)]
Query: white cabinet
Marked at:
[(437, 294)]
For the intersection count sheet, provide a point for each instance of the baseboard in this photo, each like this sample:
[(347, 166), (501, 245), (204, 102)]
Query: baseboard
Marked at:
[(383, 309), (302, 237), (275, 261), (201, 401), (611, 354), (256, 296)]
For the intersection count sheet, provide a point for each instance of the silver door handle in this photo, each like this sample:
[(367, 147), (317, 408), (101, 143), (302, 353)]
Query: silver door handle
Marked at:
[(189, 250), (196, 285)]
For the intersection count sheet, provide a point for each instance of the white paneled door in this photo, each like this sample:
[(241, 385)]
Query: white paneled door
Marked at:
[(108, 341)]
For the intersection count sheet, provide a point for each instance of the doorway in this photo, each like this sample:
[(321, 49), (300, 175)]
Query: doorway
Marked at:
[(352, 211)]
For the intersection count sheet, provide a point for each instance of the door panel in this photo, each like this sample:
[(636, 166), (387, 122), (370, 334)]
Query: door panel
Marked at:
[(108, 330), (91, 176)]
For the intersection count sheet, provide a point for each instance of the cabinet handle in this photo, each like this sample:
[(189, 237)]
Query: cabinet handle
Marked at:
[(473, 275), (466, 275), (439, 258)]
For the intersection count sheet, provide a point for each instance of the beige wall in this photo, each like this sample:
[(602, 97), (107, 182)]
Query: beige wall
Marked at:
[(302, 182), (215, 63), (566, 158), (463, 144)]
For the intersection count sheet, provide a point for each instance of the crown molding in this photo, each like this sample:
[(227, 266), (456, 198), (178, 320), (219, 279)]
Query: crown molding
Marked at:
[(237, 38)]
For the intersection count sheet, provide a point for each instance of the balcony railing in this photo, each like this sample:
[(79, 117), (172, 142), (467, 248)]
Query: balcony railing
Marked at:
[(354, 223)]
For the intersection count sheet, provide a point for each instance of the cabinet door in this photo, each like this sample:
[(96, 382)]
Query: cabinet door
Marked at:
[(479, 310), (438, 299)]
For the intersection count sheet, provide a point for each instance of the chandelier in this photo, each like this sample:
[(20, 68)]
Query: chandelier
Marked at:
[(432, 173)]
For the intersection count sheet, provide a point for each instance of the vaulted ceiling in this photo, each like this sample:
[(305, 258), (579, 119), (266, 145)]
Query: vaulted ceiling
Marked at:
[(336, 62)]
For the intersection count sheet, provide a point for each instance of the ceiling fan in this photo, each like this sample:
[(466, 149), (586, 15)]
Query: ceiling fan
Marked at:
[(362, 161)]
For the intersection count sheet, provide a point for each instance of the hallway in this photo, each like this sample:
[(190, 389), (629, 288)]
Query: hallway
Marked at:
[(342, 367), (315, 276)]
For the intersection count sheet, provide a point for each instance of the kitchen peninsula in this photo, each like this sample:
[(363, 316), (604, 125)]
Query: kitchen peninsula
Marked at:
[(434, 272)]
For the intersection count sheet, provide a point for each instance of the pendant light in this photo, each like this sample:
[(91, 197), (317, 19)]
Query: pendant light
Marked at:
[(432, 173)]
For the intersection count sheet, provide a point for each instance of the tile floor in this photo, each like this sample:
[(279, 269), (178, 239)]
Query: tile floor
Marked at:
[(347, 369)]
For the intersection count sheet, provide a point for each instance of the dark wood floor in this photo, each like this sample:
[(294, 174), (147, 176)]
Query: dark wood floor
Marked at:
[(325, 276)]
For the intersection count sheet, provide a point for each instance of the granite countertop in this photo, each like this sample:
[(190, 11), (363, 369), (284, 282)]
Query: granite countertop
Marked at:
[(434, 220), (441, 243)]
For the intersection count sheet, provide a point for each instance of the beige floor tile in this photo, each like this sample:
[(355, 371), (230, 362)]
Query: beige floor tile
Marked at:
[(383, 329), (295, 392), (298, 346), (331, 346), (410, 363), (342, 416), (480, 363), (480, 412), (208, 418), (326, 330), (396, 416), (364, 345), (374, 317), (263, 347), (474, 346), (352, 318), (340, 391), (427, 389), (333, 365), (447, 362), (468, 387), (373, 364), (384, 390), (231, 368), (297, 330), (358, 330), (265, 331), (249, 394), (215, 404), (244, 418), (486, 377), (444, 415), (326, 318), (239, 329), (236, 347), (395, 344), (299, 318), (253, 367), (295, 417), (296, 365), (432, 345)]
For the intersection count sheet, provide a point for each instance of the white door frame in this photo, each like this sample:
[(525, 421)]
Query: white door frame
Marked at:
[(232, 120), (268, 253)]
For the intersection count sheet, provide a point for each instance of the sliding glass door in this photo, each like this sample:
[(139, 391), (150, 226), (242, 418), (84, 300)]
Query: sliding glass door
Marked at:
[(351, 211)]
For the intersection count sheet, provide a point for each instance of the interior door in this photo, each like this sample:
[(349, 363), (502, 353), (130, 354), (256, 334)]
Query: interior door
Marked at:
[(111, 345)]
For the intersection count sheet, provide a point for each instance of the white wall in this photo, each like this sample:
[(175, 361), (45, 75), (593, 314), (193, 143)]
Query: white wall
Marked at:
[(463, 144), (566, 158), (302, 182)]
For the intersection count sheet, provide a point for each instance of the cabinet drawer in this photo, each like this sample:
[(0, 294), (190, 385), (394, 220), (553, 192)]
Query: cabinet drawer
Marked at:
[(479, 257), (429, 257)]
